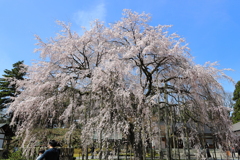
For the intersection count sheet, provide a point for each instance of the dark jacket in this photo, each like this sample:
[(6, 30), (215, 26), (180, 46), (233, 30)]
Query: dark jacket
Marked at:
[(50, 154)]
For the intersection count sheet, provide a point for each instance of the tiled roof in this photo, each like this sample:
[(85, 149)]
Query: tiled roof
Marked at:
[(2, 124), (236, 127)]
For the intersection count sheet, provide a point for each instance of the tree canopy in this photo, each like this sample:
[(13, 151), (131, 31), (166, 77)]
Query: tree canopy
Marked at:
[(126, 78), (236, 108), (8, 88)]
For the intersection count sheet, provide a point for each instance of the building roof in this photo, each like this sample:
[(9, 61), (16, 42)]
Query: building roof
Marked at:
[(2, 124), (8, 131), (236, 127)]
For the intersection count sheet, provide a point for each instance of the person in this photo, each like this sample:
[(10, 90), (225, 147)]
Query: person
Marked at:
[(92, 151), (40, 153), (52, 153), (238, 152), (207, 150), (233, 152), (15, 149)]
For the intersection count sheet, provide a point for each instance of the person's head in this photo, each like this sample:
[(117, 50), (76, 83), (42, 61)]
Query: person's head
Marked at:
[(41, 152), (52, 144)]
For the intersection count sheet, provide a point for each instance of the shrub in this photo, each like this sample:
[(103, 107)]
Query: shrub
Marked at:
[(16, 156)]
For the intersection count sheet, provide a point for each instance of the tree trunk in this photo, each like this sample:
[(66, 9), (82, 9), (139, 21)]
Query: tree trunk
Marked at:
[(136, 142), (138, 154)]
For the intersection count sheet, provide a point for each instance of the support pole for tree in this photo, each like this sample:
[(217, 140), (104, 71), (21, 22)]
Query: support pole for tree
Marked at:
[(188, 146), (214, 144), (118, 149), (143, 141), (160, 136), (168, 146), (100, 146), (126, 150), (87, 152)]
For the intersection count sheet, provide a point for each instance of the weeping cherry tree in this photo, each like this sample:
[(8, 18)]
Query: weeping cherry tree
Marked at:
[(126, 78)]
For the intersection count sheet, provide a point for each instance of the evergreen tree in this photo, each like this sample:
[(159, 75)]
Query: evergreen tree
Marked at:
[(7, 85), (236, 98)]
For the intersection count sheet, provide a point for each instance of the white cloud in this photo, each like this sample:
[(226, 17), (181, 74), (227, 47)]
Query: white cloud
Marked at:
[(84, 17)]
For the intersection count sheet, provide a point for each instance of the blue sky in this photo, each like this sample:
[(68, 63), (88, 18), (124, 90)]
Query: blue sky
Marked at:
[(211, 27)]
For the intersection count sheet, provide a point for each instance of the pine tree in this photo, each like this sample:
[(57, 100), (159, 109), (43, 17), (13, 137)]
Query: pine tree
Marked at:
[(236, 98), (7, 86)]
